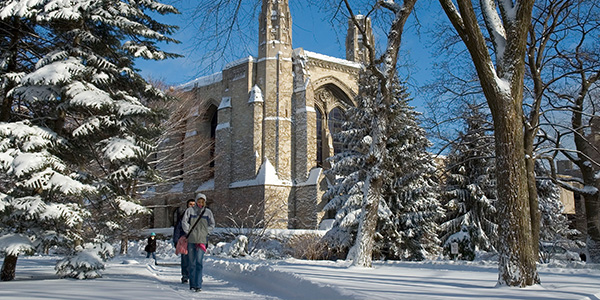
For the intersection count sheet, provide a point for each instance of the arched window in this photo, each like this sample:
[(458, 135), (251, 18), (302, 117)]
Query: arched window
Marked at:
[(319, 126), (335, 121), (212, 114), (329, 101)]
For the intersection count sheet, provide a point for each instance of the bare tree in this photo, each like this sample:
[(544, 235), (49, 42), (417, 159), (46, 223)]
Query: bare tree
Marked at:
[(564, 64), (177, 157), (502, 81), (255, 220)]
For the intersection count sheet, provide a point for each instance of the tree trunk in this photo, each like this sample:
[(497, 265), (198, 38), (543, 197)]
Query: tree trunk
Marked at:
[(8, 268), (532, 191), (516, 264), (592, 213), (592, 205), (362, 251), (124, 242)]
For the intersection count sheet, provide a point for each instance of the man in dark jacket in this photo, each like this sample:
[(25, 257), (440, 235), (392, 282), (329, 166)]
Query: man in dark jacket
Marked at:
[(197, 237), (177, 233)]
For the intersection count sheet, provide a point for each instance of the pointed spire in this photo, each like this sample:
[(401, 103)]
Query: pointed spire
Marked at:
[(275, 28)]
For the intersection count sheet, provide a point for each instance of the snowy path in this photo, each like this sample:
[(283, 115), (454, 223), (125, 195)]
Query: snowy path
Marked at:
[(123, 279), (229, 278), (127, 278)]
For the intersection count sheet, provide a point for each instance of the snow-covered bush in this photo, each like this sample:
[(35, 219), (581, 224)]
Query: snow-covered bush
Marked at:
[(87, 263), (238, 247), (269, 249), (466, 248), (307, 246)]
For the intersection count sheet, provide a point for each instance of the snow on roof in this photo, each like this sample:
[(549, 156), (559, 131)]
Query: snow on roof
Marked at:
[(225, 103), (206, 186), (266, 176), (255, 95), (202, 81), (239, 62), (178, 188), (332, 59), (313, 177), (223, 126), (149, 192)]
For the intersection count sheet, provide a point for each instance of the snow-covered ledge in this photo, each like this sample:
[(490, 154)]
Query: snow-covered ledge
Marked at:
[(313, 177), (266, 176), (206, 186)]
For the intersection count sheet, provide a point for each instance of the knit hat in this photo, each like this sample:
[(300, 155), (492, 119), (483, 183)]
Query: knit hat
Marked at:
[(153, 233), (200, 195)]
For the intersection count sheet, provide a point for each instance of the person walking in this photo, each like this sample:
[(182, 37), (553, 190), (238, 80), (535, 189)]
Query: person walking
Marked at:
[(151, 247), (177, 233), (197, 223)]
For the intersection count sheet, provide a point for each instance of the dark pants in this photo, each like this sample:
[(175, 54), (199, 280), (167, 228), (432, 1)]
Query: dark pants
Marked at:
[(196, 258), (185, 267), (151, 253)]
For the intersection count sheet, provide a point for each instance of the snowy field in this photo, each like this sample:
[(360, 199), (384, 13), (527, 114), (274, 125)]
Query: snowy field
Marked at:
[(135, 277)]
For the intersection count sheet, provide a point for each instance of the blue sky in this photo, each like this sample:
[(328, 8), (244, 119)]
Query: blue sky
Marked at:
[(311, 31)]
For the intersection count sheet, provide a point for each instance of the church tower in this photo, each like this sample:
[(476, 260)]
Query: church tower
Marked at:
[(275, 79), (271, 118), (355, 41)]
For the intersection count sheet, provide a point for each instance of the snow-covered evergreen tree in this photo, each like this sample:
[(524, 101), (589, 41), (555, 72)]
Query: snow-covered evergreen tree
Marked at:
[(81, 108), (470, 191), (408, 205)]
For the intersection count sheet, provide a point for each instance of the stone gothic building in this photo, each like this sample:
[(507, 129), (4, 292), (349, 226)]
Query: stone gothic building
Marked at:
[(272, 119)]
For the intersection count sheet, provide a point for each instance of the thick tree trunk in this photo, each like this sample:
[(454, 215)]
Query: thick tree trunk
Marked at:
[(8, 268), (502, 84), (517, 263)]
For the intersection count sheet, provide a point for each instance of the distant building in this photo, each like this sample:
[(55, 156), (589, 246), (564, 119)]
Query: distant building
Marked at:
[(575, 203), (272, 119)]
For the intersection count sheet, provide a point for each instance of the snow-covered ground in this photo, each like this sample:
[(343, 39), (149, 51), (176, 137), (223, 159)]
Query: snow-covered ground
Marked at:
[(135, 277)]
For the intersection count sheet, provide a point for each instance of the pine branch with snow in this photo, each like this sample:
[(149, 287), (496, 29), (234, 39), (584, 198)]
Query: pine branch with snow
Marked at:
[(86, 263)]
